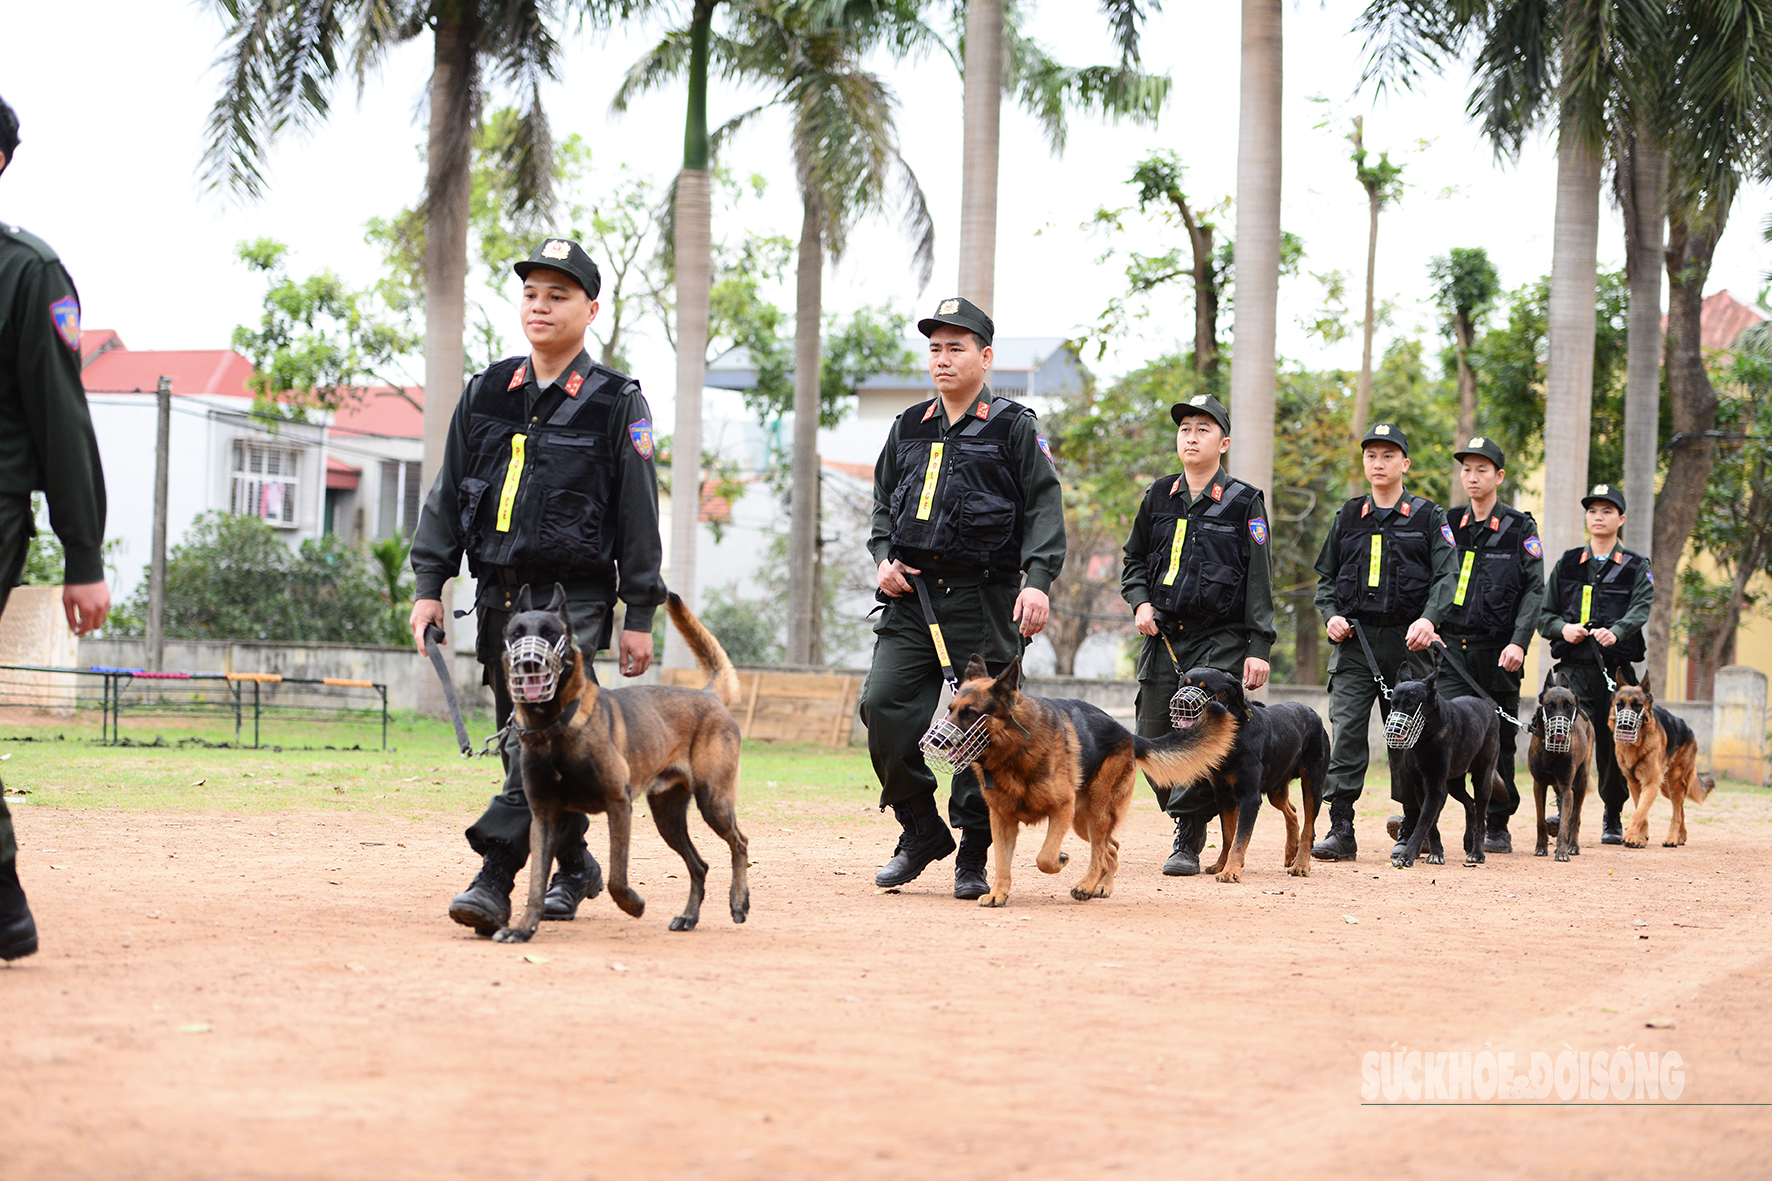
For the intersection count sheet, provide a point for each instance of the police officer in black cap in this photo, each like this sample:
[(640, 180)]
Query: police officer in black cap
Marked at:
[(547, 477), (46, 445), (1597, 599), (1494, 610), (1197, 578), (965, 499), (1389, 566)]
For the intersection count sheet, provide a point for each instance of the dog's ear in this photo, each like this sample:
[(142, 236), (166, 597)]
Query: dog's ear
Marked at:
[(558, 602), (1536, 725), (525, 600), (975, 668), (1550, 679), (1646, 692), (1432, 678), (1009, 680)]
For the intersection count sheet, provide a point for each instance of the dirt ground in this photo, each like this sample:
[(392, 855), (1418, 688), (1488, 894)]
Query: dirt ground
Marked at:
[(283, 996)]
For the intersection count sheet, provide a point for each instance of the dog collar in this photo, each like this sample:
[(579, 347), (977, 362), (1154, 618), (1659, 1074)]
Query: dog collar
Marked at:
[(535, 734)]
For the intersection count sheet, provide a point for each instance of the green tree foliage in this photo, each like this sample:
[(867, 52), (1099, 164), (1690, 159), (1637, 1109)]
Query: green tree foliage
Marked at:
[(388, 563), (749, 628), (233, 578)]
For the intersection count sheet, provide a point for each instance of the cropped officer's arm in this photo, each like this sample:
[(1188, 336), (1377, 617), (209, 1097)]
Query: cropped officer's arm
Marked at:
[(1636, 614), (54, 403), (1042, 542), (437, 541), (1258, 604), (885, 479), (1443, 556), (1550, 618), (639, 551), (1531, 592), (1135, 585), (1328, 565)]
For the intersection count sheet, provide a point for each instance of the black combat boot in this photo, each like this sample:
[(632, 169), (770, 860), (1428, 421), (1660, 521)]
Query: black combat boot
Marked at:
[(1401, 828), (1338, 844), (1184, 859), (969, 876), (486, 904), (925, 838), (577, 877), (1496, 838), (1612, 831), (18, 930)]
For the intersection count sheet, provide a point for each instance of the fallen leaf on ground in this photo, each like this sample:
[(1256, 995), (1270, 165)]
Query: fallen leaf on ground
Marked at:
[(199, 1027), (617, 967), (1350, 918), (199, 782), (356, 967), (1660, 1023), (536, 959)]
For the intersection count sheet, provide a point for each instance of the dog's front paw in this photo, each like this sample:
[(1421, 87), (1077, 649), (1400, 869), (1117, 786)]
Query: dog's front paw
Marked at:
[(1229, 875), (1633, 841), (683, 922), (1402, 862), (1471, 859), (1082, 895), (1300, 871), (994, 899), (511, 935), (1054, 865), (1541, 851), (1561, 856), (1436, 858)]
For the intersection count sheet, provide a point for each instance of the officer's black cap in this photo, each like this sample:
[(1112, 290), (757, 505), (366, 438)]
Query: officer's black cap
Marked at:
[(1386, 432), (8, 130), (567, 257), (961, 313), (1606, 492), (1482, 447), (1203, 404)]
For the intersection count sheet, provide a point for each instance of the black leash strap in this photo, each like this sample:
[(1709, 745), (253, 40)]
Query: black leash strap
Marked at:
[(941, 645), (1599, 654), (1465, 676), (1371, 660), (433, 636)]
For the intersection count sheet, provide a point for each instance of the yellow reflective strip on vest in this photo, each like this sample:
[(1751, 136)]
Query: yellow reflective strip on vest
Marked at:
[(513, 476), (926, 502), (1587, 605), (1175, 552), (941, 648), (1376, 559), (1464, 577)]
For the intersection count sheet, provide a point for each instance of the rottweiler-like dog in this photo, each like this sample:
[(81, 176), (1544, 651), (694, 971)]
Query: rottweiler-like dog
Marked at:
[(588, 749), (1658, 755), (1068, 763), (1275, 745), (1558, 755), (1433, 743)]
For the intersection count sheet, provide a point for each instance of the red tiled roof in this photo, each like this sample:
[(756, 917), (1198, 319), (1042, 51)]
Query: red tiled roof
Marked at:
[(381, 411), (340, 474), (95, 341), (197, 371), (1723, 318)]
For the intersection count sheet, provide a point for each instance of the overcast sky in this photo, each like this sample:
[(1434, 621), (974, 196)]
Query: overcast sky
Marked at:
[(113, 121)]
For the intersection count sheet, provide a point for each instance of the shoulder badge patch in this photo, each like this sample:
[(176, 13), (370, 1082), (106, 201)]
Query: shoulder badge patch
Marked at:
[(66, 312), (984, 410), (1534, 547), (1258, 530), (1217, 492), (1446, 532), (517, 377), (572, 384), (930, 413), (1649, 577), (641, 433), (1045, 446)]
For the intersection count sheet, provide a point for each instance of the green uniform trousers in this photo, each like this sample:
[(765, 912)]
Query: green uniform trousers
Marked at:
[(1593, 696), (1478, 655), (1352, 693), (903, 686), (15, 538), (506, 819), (1159, 677)]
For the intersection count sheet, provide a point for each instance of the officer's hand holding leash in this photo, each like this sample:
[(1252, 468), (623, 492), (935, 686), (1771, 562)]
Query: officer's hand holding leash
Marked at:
[(1032, 608), (1421, 634), (87, 604), (1255, 672), (1338, 629), (636, 653), (1513, 658), (1145, 619), (891, 577), (425, 613)]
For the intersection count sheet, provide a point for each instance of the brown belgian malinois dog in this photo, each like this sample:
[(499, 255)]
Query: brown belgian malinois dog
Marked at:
[(588, 749), (1068, 763), (1658, 755), (1562, 746)]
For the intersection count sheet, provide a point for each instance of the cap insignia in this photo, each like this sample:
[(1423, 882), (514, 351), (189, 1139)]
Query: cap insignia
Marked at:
[(948, 307), (557, 248), (1381, 429)]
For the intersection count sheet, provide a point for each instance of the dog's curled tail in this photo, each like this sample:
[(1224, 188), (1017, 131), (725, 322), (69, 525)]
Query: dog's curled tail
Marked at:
[(1701, 786), (1182, 756), (722, 677)]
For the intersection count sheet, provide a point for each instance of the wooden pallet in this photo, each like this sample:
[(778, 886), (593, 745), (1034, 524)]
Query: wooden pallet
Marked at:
[(812, 708)]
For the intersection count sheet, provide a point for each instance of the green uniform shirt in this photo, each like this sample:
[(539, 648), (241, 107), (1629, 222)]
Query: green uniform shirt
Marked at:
[(1636, 614), (633, 507), (1442, 555), (46, 439), (1257, 627), (1470, 530), (1042, 518)]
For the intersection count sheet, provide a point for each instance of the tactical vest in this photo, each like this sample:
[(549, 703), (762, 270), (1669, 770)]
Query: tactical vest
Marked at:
[(538, 493), (1601, 604), (1491, 577), (958, 498), (1386, 570), (1198, 565)]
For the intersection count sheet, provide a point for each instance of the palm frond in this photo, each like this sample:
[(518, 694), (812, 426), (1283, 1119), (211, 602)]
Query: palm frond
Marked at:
[(1126, 19)]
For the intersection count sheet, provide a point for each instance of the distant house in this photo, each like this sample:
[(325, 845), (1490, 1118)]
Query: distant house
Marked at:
[(355, 473)]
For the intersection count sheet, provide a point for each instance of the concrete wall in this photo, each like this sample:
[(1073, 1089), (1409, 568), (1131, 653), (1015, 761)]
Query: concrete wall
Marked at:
[(34, 630)]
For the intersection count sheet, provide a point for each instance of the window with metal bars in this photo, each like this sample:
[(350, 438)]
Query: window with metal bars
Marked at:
[(266, 482), (397, 512)]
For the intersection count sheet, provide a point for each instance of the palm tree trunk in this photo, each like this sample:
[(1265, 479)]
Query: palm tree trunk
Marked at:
[(803, 516), (1642, 182), (1462, 334), (983, 103), (448, 180), (1258, 247), (1569, 369), (1363, 392), (693, 254), (1691, 242)]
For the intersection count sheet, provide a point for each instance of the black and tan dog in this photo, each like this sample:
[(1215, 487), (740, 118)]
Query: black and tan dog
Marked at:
[(1068, 763), (1657, 755), (587, 749), (1558, 756), (1275, 745), (1433, 744)]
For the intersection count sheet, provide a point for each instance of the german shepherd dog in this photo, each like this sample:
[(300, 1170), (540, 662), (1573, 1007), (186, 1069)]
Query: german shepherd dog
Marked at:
[(1562, 744), (587, 749), (1068, 763), (1434, 743), (1658, 754), (1275, 745)]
